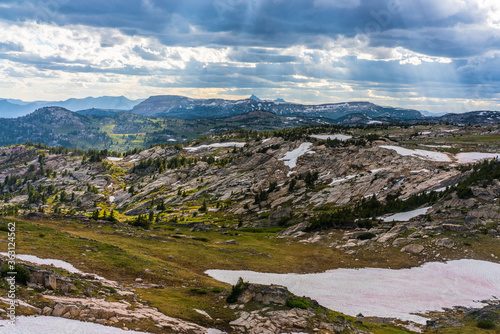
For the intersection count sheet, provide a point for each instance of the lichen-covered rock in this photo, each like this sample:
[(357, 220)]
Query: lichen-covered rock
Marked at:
[(413, 249), (445, 242)]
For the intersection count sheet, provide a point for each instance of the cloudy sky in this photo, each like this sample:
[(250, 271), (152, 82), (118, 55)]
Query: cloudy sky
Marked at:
[(424, 54)]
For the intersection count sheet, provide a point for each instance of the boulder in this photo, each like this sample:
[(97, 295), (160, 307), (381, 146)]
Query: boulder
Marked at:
[(392, 233), (454, 227), (401, 242), (445, 242), (60, 309), (68, 287), (47, 311), (199, 227), (294, 229), (278, 216), (50, 281), (483, 314), (271, 294), (413, 249)]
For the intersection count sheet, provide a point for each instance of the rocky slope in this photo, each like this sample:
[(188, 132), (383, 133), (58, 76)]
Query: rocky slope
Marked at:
[(306, 187)]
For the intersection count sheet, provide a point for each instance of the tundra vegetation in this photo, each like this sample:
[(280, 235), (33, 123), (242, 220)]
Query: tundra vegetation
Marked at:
[(155, 218)]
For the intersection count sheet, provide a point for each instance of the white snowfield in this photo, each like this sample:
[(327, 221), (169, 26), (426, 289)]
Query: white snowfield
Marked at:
[(332, 137), (421, 154), (228, 144), (438, 146), (471, 157), (388, 292), (52, 325), (462, 158), (51, 262), (114, 159), (290, 158), (406, 216)]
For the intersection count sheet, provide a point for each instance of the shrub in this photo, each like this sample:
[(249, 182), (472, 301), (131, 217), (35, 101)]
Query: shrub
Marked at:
[(217, 290), (298, 303), (366, 236), (141, 221), (199, 291), (264, 214), (22, 274), (486, 324), (110, 289), (464, 192), (236, 291), (4, 228)]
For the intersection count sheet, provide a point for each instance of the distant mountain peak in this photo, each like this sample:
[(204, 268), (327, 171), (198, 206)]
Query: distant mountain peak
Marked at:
[(279, 100), (50, 110), (253, 97)]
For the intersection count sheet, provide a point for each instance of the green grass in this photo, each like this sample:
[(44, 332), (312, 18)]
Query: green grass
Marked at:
[(178, 264)]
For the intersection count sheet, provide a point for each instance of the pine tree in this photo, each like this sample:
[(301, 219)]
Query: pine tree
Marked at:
[(203, 207), (95, 215)]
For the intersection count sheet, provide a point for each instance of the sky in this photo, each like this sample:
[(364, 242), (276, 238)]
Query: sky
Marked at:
[(440, 56)]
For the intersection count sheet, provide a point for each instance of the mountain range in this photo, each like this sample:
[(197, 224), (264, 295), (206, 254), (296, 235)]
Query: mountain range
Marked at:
[(187, 108), (184, 107), (181, 107), (10, 108)]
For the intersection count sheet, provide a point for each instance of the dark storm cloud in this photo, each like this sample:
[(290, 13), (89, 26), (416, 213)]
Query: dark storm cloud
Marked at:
[(403, 43), (270, 22)]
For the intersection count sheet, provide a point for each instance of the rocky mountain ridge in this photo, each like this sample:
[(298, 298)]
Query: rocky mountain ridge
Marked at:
[(184, 107)]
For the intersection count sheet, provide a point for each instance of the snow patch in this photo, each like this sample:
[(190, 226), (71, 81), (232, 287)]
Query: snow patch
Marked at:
[(51, 262), (373, 171), (421, 154), (112, 199), (203, 313), (406, 216), (388, 292), (51, 325), (290, 158), (323, 176), (462, 158), (471, 157), (420, 171), (114, 159), (438, 146)]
